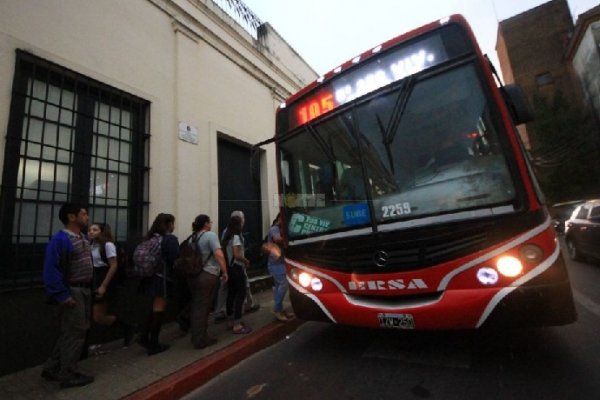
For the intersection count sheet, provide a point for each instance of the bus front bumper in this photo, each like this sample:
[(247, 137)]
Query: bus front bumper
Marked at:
[(524, 306)]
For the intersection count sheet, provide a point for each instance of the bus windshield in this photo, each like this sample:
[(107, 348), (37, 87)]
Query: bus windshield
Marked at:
[(426, 147)]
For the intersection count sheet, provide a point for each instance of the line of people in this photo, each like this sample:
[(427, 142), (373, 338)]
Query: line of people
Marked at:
[(79, 276)]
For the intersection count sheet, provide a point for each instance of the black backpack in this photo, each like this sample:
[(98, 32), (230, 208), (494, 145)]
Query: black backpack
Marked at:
[(190, 261)]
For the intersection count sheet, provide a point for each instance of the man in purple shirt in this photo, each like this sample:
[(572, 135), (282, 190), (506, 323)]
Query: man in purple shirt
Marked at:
[(67, 278)]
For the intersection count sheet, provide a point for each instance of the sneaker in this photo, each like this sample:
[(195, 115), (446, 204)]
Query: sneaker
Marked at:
[(220, 317), (242, 330), (158, 348), (208, 342), (76, 379), (50, 375), (97, 350), (280, 316)]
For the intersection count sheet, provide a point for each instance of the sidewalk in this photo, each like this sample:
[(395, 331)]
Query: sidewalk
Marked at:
[(130, 373)]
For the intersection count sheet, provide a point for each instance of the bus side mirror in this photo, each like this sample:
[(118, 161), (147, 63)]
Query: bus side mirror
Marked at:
[(517, 103)]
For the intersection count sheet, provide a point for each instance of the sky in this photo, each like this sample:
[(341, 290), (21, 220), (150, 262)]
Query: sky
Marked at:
[(326, 33)]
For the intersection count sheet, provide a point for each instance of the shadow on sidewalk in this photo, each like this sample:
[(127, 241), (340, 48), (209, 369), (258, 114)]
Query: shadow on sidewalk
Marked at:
[(120, 372)]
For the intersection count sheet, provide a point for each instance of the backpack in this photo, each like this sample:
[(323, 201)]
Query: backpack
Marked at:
[(122, 256), (123, 261), (147, 258), (189, 262)]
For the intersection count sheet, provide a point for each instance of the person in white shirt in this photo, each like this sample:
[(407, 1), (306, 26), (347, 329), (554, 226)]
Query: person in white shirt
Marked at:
[(250, 305), (236, 265), (104, 259)]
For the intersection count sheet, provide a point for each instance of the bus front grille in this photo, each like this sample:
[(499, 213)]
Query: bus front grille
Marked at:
[(364, 256)]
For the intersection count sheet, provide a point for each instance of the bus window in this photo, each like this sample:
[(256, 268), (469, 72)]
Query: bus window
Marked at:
[(444, 155), (327, 178)]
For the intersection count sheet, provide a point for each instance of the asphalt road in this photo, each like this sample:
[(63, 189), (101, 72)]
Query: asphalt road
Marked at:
[(322, 361)]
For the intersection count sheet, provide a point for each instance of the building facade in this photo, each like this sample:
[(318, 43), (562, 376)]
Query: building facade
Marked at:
[(531, 49), (584, 55), (134, 107)]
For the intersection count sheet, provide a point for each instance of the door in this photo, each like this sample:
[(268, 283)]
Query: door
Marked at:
[(239, 191)]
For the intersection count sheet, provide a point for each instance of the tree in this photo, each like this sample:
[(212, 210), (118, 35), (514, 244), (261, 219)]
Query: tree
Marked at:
[(565, 150)]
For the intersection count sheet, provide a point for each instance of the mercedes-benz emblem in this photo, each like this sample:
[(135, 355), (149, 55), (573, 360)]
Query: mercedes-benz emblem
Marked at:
[(380, 258)]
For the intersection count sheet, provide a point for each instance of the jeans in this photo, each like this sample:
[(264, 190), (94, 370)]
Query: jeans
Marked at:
[(281, 285)]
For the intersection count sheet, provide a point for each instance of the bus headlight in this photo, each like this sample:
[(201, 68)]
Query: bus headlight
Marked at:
[(509, 266), (487, 276), (305, 280), (316, 284)]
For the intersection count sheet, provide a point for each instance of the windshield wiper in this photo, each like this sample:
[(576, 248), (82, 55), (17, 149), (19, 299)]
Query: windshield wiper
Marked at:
[(398, 111), (322, 144), (388, 133), (388, 148)]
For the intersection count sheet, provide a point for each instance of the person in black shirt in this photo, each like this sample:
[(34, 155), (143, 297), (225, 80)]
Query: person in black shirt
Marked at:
[(156, 285)]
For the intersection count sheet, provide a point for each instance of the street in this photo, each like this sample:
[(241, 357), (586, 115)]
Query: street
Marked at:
[(322, 361)]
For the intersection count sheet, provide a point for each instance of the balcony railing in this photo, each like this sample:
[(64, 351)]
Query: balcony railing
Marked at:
[(242, 14)]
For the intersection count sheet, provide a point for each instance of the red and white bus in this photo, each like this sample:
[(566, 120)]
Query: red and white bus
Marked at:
[(408, 198)]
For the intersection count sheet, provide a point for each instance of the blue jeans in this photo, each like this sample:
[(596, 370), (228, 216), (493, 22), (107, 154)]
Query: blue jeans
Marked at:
[(281, 285)]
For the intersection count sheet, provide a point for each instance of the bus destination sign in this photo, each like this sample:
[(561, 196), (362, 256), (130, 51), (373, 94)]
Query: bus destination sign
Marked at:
[(389, 67)]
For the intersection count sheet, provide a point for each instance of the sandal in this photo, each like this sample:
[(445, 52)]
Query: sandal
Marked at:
[(243, 330)]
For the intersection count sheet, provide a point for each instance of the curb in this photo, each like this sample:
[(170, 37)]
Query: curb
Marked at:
[(199, 372)]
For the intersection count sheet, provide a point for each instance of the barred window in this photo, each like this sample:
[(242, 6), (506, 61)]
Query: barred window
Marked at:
[(70, 138)]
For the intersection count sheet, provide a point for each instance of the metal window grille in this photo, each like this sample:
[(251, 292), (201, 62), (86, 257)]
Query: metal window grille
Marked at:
[(69, 138)]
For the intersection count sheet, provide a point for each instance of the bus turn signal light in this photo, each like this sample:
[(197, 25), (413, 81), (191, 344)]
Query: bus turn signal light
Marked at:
[(531, 253)]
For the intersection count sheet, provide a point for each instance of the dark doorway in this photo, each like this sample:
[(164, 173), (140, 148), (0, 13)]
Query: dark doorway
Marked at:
[(238, 191)]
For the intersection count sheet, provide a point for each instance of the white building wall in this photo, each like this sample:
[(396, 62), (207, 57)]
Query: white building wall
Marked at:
[(185, 57)]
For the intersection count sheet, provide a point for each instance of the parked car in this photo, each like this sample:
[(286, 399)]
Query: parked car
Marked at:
[(582, 231), (560, 213)]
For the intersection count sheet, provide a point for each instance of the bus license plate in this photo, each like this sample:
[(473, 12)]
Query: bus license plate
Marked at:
[(396, 321)]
